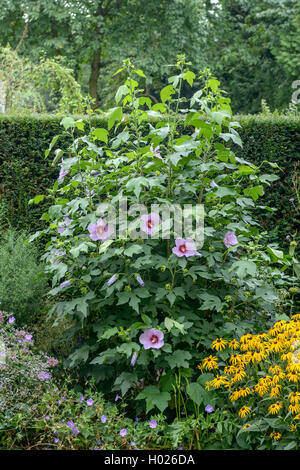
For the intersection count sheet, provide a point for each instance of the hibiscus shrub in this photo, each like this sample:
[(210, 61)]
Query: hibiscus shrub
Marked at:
[(139, 302)]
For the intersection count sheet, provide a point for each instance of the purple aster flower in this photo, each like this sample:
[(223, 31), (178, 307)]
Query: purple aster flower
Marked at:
[(140, 281), (155, 152), (81, 399), (11, 320), (103, 419), (150, 221), (112, 280), (65, 284), (209, 409), (185, 248), (90, 402), (47, 417), (123, 432), (28, 338), (180, 447), (75, 430), (100, 231), (152, 339), (230, 239), (133, 359), (132, 444), (71, 424), (66, 222), (287, 237), (56, 440), (153, 424)]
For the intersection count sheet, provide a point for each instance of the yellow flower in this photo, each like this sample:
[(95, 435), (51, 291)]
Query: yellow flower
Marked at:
[(217, 382), (239, 375), (275, 391), (294, 397), (293, 427), (234, 344), (246, 426), (275, 435), (275, 408), (292, 377), (244, 411), (210, 363), (219, 344), (294, 408)]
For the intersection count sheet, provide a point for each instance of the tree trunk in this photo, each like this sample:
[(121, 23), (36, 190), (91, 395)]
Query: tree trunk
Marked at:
[(93, 81)]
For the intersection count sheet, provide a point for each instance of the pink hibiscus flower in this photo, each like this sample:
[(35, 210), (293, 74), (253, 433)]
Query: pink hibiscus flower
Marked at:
[(150, 221), (230, 239), (100, 231), (152, 339), (155, 152), (185, 248)]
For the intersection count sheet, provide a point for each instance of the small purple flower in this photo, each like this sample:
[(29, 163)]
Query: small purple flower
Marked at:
[(230, 239), (214, 185), (70, 424), (185, 248), (56, 440), (137, 419), (123, 432), (209, 409), (43, 376), (152, 339), (66, 222), (133, 359), (90, 402), (100, 231), (75, 430), (155, 152), (28, 338), (103, 419), (150, 221), (132, 444), (11, 320), (62, 172), (292, 199), (95, 173), (153, 424), (117, 398), (47, 417), (287, 237), (65, 284), (81, 399), (180, 447), (112, 280), (140, 281)]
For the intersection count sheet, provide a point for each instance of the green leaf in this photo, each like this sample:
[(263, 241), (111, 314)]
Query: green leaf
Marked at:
[(243, 268), (166, 93), (125, 381), (109, 333), (37, 199), (123, 90), (254, 192), (195, 392), (189, 76), (154, 398), (67, 122), (179, 358), (115, 114), (100, 134)]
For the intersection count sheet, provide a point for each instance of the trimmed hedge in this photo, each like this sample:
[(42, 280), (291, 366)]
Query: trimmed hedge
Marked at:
[(24, 171)]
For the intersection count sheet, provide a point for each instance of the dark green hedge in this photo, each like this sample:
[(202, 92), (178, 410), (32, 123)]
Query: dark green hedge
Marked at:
[(24, 171)]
